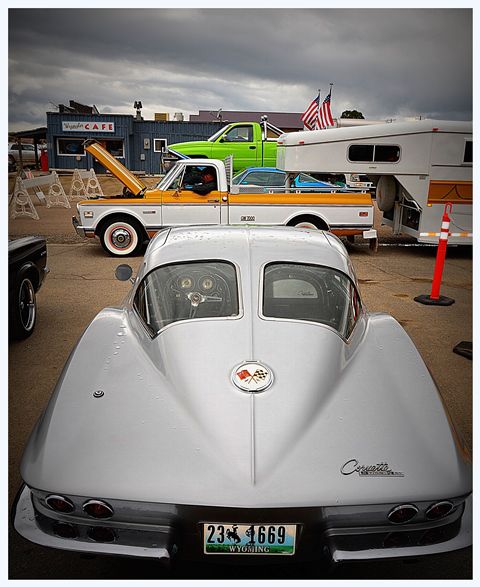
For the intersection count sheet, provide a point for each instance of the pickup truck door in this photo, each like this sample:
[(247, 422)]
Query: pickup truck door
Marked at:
[(239, 142), (182, 206)]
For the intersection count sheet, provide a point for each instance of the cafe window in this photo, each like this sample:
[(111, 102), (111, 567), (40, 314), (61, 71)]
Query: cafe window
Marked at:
[(160, 145), (114, 147), (70, 147)]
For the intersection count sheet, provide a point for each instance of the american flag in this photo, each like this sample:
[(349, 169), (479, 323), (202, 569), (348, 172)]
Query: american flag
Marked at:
[(310, 115), (316, 116), (324, 119)]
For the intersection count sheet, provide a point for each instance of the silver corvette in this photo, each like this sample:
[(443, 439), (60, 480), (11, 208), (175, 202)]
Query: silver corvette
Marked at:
[(243, 405)]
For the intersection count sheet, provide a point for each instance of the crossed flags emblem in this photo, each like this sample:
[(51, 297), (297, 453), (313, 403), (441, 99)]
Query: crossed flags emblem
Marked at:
[(258, 375)]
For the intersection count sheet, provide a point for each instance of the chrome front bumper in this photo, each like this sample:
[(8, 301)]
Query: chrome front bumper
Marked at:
[(78, 229)]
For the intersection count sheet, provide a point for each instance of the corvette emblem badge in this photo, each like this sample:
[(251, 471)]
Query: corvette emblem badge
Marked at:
[(252, 377)]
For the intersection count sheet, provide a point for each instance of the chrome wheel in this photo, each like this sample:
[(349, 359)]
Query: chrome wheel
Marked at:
[(27, 309), (121, 238)]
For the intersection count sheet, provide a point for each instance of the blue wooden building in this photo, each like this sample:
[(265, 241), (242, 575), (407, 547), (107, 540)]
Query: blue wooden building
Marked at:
[(138, 144)]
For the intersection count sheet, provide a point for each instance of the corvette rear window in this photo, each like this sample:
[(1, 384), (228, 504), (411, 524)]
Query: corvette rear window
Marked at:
[(186, 291), (311, 292)]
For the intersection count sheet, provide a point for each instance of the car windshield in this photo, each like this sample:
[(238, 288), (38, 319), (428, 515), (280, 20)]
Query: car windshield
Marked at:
[(239, 177), (215, 136), (166, 180), (264, 178), (306, 177), (185, 291), (313, 293)]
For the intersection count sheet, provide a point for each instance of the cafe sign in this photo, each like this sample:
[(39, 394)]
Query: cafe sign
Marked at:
[(88, 126)]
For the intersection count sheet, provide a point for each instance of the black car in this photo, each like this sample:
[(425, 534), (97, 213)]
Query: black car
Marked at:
[(27, 267)]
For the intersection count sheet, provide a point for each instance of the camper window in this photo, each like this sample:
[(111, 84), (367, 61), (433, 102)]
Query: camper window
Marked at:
[(361, 153), (386, 153), (467, 156), (374, 153)]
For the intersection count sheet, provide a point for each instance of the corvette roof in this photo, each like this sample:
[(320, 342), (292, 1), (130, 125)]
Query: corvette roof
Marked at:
[(244, 245)]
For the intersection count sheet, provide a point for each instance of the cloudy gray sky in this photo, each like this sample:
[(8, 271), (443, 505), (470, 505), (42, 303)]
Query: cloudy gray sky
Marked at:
[(387, 63)]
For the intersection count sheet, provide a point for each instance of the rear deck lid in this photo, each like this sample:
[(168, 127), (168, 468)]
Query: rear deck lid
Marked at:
[(133, 183)]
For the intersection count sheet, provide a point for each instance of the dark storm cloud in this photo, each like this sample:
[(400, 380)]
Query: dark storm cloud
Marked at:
[(386, 63)]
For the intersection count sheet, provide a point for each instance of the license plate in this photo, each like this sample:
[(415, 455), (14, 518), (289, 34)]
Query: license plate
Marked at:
[(266, 539)]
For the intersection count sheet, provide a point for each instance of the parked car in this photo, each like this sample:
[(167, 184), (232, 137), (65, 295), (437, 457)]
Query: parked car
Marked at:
[(28, 155), (123, 223), (27, 267), (242, 403), (272, 177), (348, 180), (250, 143)]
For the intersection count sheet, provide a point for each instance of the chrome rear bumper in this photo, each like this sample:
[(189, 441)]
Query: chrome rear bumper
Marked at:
[(129, 540), (401, 542), (157, 540)]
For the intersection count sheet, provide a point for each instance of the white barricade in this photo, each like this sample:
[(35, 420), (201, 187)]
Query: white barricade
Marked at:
[(21, 203), (84, 185)]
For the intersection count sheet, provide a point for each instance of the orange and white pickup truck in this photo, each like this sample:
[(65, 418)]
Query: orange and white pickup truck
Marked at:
[(186, 196)]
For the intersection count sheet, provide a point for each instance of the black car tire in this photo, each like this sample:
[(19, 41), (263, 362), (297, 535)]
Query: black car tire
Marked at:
[(23, 308), (12, 164), (122, 236), (308, 222)]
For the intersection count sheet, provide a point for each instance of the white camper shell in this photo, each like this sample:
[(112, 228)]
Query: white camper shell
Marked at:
[(417, 168)]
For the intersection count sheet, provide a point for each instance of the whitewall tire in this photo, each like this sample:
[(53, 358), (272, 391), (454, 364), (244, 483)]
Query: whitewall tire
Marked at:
[(122, 238)]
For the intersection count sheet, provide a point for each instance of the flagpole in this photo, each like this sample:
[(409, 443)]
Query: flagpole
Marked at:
[(317, 124), (331, 86)]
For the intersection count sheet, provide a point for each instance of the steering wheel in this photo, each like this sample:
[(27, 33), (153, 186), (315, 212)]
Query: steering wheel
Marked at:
[(196, 298)]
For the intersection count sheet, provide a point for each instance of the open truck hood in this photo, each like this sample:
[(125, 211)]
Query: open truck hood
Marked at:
[(133, 183)]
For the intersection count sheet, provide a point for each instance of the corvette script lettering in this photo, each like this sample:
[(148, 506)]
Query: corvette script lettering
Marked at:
[(378, 470)]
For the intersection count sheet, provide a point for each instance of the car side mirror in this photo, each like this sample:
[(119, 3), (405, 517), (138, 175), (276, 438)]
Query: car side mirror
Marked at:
[(222, 140), (123, 272)]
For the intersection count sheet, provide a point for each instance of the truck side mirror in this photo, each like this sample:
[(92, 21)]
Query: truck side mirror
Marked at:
[(123, 272)]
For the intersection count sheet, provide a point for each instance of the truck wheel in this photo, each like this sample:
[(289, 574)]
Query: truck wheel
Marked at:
[(12, 164), (386, 193), (308, 222), (24, 308), (122, 237)]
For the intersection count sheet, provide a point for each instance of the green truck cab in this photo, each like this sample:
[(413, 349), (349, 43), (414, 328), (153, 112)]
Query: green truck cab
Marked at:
[(252, 144)]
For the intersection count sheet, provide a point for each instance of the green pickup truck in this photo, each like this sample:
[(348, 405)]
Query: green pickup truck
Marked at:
[(252, 144)]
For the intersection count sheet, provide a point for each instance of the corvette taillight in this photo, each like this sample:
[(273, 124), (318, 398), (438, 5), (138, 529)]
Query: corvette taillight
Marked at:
[(101, 534), (98, 509), (439, 510), (59, 504), (401, 514), (65, 530), (397, 540)]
